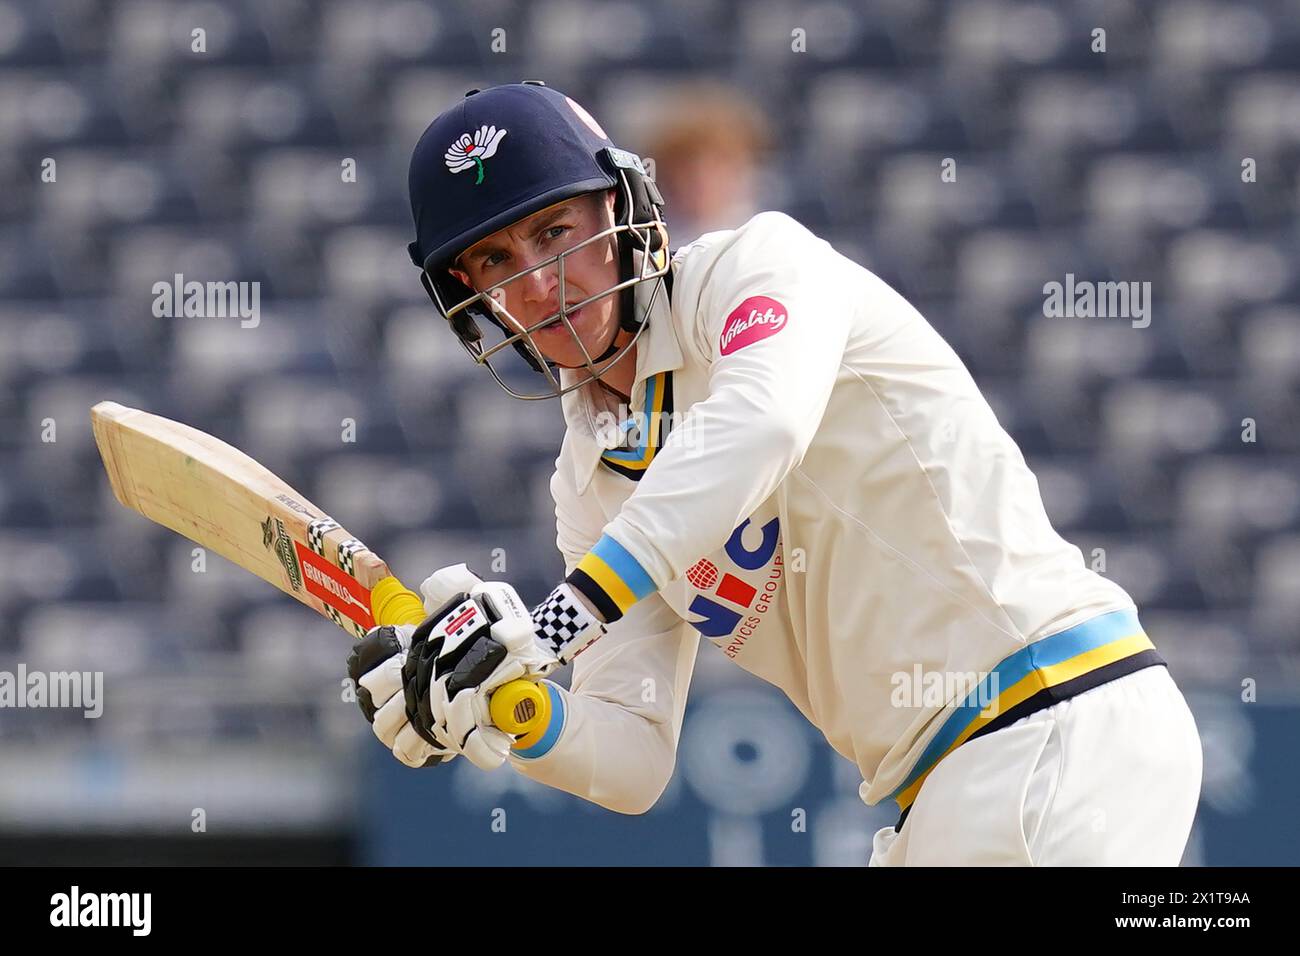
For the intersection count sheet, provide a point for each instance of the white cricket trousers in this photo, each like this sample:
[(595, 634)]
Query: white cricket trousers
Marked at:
[(1110, 777)]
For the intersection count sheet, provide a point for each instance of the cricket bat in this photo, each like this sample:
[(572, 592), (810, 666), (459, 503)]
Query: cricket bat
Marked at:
[(223, 500)]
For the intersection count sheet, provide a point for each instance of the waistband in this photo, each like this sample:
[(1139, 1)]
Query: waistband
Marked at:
[(1035, 677)]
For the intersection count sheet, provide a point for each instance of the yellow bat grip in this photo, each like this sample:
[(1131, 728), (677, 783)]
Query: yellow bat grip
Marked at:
[(519, 707)]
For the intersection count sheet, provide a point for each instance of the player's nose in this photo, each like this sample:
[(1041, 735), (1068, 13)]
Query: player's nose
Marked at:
[(539, 286)]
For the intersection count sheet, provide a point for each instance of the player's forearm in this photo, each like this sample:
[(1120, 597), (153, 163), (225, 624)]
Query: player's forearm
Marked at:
[(601, 751)]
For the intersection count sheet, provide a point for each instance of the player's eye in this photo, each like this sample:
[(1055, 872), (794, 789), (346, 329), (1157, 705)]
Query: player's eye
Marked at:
[(493, 259)]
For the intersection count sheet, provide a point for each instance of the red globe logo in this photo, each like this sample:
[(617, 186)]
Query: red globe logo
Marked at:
[(703, 574)]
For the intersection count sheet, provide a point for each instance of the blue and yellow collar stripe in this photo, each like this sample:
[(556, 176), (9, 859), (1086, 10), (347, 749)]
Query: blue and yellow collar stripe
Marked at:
[(632, 462), (611, 579), (1038, 675)]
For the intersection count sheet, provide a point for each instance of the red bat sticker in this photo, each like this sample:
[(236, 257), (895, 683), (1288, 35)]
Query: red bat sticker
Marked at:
[(336, 588)]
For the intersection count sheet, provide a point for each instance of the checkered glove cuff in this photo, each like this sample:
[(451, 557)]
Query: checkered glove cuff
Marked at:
[(564, 624)]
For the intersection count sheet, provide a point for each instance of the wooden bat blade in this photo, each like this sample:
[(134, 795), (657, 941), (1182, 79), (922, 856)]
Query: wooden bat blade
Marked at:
[(223, 500)]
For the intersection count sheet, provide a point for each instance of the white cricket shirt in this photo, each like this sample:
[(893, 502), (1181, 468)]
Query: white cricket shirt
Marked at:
[(818, 487)]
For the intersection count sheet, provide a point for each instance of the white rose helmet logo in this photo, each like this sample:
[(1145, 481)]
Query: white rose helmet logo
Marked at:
[(468, 152)]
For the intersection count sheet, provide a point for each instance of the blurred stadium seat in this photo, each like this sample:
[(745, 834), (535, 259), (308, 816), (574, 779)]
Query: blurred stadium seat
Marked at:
[(228, 165)]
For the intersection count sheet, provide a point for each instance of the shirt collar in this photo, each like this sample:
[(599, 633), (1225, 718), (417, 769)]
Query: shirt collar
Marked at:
[(657, 350)]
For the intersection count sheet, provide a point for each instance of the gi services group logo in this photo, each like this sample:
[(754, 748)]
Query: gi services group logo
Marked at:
[(755, 319), (730, 607)]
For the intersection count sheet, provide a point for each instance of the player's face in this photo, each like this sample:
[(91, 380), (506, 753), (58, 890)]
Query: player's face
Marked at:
[(536, 294)]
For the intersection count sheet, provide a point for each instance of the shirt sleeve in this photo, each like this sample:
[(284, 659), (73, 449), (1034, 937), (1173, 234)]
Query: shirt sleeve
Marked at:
[(613, 735), (612, 738), (773, 324)]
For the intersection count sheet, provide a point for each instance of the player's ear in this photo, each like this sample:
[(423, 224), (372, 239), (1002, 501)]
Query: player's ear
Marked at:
[(463, 276)]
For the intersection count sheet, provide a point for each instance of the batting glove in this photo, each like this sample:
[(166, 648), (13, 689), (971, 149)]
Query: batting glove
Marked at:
[(482, 637), (375, 666)]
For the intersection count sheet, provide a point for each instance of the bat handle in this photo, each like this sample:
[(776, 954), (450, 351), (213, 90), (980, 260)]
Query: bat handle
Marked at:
[(520, 707)]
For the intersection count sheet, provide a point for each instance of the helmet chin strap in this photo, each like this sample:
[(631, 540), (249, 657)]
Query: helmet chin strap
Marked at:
[(608, 353), (613, 347)]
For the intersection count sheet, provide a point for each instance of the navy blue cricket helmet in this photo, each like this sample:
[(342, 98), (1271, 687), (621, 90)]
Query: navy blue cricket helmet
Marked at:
[(498, 156)]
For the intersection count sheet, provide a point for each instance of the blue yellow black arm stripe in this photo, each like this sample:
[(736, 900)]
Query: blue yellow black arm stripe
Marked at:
[(611, 579)]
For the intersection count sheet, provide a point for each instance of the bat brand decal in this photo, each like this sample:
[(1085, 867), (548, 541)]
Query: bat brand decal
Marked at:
[(277, 539), (719, 610), (296, 505), (755, 319), (336, 588)]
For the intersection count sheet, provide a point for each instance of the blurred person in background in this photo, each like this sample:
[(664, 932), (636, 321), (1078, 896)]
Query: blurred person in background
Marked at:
[(708, 151), (768, 446)]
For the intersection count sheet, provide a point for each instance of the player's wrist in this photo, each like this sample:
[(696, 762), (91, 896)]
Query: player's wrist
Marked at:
[(565, 623), (590, 605)]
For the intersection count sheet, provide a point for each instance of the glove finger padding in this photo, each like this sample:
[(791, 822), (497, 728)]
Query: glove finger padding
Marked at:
[(439, 587), (449, 638), (428, 687), (457, 638), (418, 674), (407, 745), (487, 748), (426, 643), (509, 667), (380, 644), (375, 665), (464, 713), (390, 719), (471, 730), (411, 750), (473, 667)]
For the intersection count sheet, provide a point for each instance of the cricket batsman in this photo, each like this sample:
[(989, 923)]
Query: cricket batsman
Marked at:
[(766, 446)]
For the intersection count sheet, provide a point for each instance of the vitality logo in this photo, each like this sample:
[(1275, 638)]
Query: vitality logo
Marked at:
[(753, 320)]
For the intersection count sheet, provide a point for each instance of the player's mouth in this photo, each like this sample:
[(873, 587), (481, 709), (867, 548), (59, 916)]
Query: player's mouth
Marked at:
[(557, 328)]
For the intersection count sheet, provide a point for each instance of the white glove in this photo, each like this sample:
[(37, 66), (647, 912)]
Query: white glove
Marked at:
[(458, 699), (375, 666)]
